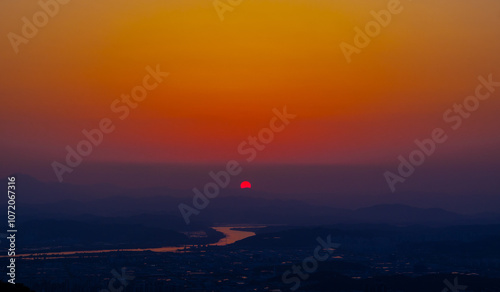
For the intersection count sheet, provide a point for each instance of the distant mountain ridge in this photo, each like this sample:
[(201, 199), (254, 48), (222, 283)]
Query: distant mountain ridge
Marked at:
[(66, 201)]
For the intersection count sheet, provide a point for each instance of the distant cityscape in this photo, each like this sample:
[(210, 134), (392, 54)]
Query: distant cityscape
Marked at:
[(366, 260)]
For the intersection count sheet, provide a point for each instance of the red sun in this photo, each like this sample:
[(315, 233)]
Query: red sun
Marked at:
[(246, 185)]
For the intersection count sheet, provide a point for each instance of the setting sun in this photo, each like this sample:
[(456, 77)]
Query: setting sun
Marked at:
[(246, 185)]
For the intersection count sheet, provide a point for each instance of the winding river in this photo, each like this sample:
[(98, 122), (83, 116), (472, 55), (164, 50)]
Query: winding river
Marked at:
[(231, 237)]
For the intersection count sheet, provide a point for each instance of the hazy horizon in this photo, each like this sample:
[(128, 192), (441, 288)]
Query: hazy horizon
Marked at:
[(362, 135)]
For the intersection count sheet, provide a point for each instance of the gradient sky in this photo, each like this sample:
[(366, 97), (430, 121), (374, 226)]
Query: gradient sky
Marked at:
[(226, 77)]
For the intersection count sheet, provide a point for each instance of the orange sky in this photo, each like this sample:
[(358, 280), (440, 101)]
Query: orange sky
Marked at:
[(227, 76)]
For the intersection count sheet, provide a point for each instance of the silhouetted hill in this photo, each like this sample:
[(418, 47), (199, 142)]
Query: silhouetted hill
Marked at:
[(163, 221), (406, 215), (66, 201)]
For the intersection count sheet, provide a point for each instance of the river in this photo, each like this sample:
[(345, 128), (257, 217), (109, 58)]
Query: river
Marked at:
[(231, 237)]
